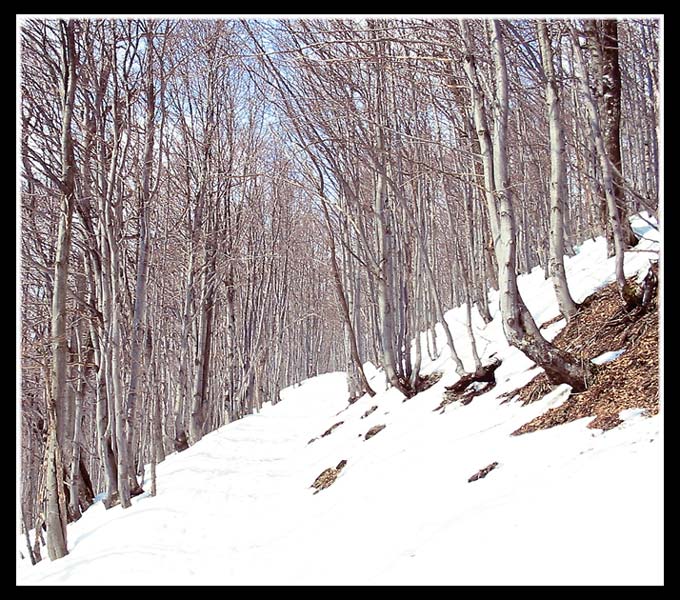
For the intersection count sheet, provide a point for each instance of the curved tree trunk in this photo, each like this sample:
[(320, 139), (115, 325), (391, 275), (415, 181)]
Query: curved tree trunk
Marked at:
[(519, 326)]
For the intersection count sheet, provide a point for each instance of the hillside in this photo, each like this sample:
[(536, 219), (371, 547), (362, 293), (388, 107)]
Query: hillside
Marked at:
[(565, 505)]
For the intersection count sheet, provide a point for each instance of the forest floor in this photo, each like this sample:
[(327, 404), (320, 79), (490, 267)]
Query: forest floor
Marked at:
[(400, 493), (623, 382)]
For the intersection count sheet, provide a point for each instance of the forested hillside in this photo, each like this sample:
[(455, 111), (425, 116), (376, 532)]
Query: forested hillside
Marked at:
[(503, 484), (214, 210)]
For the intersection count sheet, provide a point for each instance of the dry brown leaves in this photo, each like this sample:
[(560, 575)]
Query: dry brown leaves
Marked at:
[(552, 321), (424, 383), (630, 381), (369, 411), (328, 476), (428, 381), (466, 396), (538, 387), (373, 430), (470, 385), (449, 397), (327, 432), (331, 428), (482, 473)]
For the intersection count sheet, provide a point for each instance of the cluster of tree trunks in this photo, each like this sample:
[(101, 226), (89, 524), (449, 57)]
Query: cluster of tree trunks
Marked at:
[(213, 210)]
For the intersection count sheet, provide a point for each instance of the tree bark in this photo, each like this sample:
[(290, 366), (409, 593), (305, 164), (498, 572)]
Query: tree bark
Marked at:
[(518, 324), (56, 517), (202, 362), (384, 285), (56, 520), (604, 42), (77, 491), (605, 164), (140, 301), (558, 177)]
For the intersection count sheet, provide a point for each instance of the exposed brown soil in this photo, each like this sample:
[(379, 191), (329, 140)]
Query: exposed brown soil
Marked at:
[(482, 473), (629, 381)]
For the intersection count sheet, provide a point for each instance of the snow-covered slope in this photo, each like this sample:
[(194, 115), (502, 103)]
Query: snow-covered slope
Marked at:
[(568, 505)]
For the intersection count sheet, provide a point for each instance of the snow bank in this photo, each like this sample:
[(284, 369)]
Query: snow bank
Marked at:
[(568, 505)]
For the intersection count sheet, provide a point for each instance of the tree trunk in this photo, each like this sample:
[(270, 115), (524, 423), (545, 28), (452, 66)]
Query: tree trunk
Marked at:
[(75, 483), (116, 373), (202, 362), (182, 391), (518, 324), (384, 285), (604, 41), (605, 165), (342, 298), (56, 520), (56, 517), (558, 177), (142, 269), (417, 346), (102, 418)]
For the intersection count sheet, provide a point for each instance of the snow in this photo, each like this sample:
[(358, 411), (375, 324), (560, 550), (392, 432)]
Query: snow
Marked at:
[(608, 356), (567, 505)]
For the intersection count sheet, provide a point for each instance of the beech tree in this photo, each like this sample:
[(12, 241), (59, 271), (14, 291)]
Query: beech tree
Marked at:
[(213, 210), (558, 175), (56, 406), (518, 323)]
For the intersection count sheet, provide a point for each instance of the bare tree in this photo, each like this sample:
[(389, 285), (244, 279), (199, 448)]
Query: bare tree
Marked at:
[(56, 503), (603, 41), (213, 210), (518, 324), (604, 161), (558, 176)]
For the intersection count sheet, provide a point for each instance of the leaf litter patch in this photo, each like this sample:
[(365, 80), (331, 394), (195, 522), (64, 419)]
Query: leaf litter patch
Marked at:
[(327, 432), (328, 476), (470, 385), (628, 381)]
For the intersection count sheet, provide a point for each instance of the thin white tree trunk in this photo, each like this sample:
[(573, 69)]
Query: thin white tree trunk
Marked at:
[(384, 285), (518, 324), (558, 177)]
